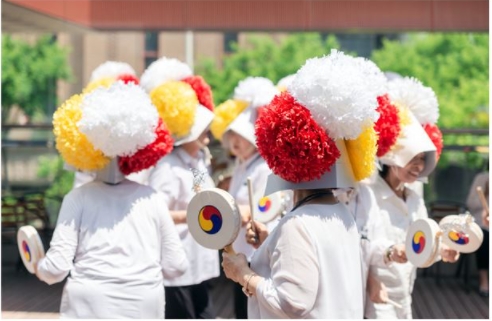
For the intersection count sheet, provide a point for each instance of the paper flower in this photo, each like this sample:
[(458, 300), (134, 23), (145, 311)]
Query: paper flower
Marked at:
[(163, 70), (74, 147), (111, 69), (150, 154), (420, 100), (202, 90), (225, 113), (294, 146), (258, 91), (284, 83), (435, 135), (362, 153), (335, 89), (387, 126), (176, 103), (118, 120), (127, 78), (102, 82)]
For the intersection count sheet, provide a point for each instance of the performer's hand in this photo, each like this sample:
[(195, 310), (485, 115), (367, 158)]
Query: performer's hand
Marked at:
[(235, 266), (399, 254), (448, 254), (179, 217), (485, 218), (377, 290), (245, 212), (256, 239)]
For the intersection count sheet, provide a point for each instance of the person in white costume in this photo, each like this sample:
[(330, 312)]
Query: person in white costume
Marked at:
[(413, 156), (309, 266), (114, 238), (234, 126), (185, 102)]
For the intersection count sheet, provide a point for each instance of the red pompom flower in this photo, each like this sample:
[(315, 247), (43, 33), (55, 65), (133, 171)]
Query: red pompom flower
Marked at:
[(388, 125), (435, 135), (202, 90), (128, 78), (150, 154), (293, 145)]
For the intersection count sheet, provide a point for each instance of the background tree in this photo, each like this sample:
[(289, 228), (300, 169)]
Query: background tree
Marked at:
[(455, 66), (263, 56), (30, 72)]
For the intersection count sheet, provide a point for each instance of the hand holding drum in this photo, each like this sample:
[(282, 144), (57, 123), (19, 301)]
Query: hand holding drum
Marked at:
[(31, 248)]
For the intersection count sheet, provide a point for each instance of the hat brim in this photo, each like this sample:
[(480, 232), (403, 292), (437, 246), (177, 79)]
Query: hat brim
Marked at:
[(244, 126), (203, 119)]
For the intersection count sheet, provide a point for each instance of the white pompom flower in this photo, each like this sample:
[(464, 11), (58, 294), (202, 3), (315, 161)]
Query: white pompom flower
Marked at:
[(163, 70), (335, 89), (420, 100), (118, 120), (111, 69), (286, 81), (258, 91), (374, 77)]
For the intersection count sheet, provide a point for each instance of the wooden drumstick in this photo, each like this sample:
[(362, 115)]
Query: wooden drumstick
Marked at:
[(482, 199), (393, 303), (251, 204)]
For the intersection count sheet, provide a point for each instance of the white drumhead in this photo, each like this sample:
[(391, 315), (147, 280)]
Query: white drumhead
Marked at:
[(268, 208), (213, 218), (31, 248), (461, 235), (421, 242)]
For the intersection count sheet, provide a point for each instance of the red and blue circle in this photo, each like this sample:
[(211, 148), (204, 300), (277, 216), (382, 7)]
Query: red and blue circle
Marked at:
[(418, 242), (26, 251), (264, 204), (459, 237), (210, 219)]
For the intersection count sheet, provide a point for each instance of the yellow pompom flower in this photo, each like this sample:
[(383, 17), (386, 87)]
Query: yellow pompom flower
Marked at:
[(404, 116), (225, 113), (102, 82), (362, 153), (176, 103), (74, 146)]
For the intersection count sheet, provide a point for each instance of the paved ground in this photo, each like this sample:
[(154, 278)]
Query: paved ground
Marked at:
[(25, 297)]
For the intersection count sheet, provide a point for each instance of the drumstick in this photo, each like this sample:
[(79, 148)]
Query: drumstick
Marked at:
[(482, 199), (393, 303), (251, 204)]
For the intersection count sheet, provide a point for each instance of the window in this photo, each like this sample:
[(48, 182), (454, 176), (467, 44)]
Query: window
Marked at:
[(151, 47), (229, 39)]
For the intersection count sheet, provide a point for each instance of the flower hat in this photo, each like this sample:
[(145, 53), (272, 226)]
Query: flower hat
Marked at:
[(284, 83), (320, 132), (183, 100), (418, 110), (119, 122), (239, 114), (109, 72)]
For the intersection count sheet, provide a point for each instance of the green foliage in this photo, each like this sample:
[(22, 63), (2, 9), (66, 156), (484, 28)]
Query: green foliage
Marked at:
[(29, 72), (262, 56), (52, 168), (455, 66)]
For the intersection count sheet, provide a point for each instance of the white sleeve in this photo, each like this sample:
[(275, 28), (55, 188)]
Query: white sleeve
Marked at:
[(58, 262), (162, 179), (173, 257), (292, 288)]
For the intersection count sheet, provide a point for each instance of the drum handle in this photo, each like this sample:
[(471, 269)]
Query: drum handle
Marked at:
[(251, 204), (229, 249)]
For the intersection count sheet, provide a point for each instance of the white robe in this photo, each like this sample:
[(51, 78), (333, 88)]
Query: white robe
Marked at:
[(311, 267), (116, 242)]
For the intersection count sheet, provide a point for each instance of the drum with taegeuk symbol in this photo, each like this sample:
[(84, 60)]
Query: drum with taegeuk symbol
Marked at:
[(461, 233), (267, 208), (213, 218), (31, 248), (422, 242)]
